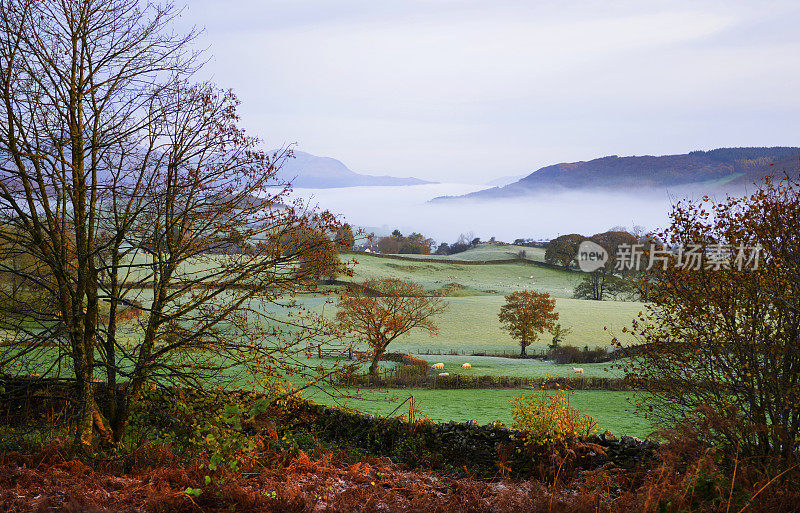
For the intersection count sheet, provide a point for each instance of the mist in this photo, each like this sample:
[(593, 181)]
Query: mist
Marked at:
[(545, 216)]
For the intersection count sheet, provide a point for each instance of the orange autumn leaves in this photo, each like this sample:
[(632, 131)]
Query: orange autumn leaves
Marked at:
[(526, 315), (379, 311)]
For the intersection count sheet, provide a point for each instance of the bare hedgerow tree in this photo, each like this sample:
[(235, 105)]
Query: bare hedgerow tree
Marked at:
[(156, 235)]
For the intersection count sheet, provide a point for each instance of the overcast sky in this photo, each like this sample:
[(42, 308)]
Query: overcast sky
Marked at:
[(468, 91)]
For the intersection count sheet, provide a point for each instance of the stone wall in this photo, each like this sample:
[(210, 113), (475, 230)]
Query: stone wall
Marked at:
[(455, 445)]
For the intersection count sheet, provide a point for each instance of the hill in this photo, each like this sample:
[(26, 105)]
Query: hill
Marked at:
[(313, 172), (720, 170)]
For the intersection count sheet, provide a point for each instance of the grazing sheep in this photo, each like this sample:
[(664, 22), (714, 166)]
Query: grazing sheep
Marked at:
[(465, 366), (437, 366), (443, 374), (577, 370)]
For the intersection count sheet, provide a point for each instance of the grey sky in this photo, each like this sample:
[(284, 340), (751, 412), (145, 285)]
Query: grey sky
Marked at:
[(467, 91)]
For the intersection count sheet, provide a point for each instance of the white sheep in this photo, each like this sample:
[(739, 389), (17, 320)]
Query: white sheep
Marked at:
[(466, 366), (577, 370), (443, 374), (437, 366)]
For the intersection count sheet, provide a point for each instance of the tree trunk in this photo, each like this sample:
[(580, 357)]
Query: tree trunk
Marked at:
[(83, 430), (119, 423), (110, 349), (522, 350), (373, 368)]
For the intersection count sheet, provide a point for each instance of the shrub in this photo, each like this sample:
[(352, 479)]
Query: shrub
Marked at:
[(572, 354), (548, 419)]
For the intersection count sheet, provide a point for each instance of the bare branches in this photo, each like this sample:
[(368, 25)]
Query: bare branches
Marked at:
[(142, 233), (722, 343)]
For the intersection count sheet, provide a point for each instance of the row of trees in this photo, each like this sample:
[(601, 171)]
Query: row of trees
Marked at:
[(119, 177), (415, 244), (464, 242), (606, 281)]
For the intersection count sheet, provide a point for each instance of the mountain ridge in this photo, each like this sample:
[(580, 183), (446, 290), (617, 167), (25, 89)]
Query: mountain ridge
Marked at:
[(308, 171), (721, 169)]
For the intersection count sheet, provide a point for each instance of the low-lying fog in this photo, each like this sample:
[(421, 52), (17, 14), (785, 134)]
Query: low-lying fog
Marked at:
[(383, 209)]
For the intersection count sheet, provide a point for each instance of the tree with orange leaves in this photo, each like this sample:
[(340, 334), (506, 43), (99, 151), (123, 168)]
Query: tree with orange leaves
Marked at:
[(526, 315), (721, 338), (379, 311)]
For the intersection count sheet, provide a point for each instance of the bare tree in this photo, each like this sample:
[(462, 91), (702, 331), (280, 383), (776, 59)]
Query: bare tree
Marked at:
[(121, 179)]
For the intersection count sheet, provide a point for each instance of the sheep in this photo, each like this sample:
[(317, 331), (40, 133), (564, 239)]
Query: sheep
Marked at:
[(465, 366), (443, 374), (577, 370), (437, 366)]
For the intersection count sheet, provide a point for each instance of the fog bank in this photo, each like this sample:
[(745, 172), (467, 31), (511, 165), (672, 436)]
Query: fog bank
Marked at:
[(383, 209)]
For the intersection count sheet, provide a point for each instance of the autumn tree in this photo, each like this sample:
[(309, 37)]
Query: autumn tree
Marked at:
[(608, 280), (416, 244), (377, 312), (389, 245), (128, 185), (720, 337), (562, 250), (345, 238), (527, 314)]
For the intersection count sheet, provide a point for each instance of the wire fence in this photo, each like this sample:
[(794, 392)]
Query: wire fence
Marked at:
[(536, 353), (402, 377)]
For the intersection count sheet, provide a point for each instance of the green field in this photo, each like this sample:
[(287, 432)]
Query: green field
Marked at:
[(486, 252), (613, 411), (486, 279), (470, 324), (493, 366)]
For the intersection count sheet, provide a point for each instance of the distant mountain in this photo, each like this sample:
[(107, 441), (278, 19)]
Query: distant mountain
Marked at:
[(720, 170), (312, 172), (503, 180)]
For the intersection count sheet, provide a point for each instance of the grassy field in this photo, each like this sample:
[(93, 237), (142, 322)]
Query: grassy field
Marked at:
[(483, 279), (485, 252), (492, 366), (470, 324), (613, 411)]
